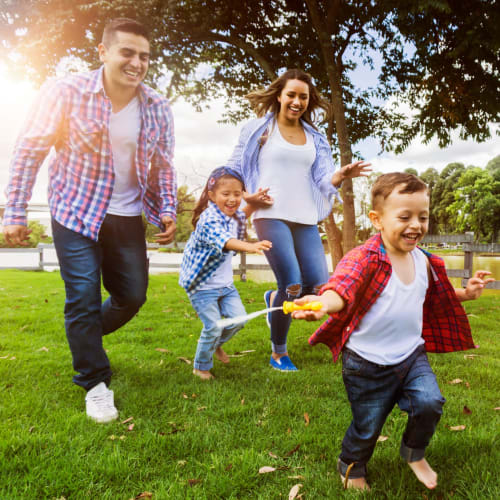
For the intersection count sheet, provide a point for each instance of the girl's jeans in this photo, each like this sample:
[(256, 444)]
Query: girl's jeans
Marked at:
[(212, 305), (373, 390), (298, 262)]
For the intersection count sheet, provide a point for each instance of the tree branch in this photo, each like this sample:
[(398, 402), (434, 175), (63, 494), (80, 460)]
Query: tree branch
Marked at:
[(208, 36)]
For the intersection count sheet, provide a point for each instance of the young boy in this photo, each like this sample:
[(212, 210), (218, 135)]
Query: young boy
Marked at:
[(390, 302)]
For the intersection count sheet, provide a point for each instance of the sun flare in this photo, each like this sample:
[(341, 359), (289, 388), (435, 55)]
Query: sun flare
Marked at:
[(15, 94)]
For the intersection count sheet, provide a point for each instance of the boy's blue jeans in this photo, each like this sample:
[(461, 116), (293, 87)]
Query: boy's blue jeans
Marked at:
[(212, 305), (297, 259), (120, 257), (373, 390)]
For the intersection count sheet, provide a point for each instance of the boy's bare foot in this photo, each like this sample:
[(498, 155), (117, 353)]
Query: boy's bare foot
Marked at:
[(424, 473), (221, 355), (358, 483), (203, 374)]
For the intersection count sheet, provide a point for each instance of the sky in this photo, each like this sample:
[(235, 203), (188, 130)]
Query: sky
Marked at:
[(203, 144)]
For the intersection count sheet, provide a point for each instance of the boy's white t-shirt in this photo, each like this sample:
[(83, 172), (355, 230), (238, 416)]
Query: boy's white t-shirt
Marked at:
[(285, 169), (124, 129), (392, 329), (223, 275)]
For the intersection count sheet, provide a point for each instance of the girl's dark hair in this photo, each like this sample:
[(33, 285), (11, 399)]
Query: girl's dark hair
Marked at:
[(265, 100), (204, 199)]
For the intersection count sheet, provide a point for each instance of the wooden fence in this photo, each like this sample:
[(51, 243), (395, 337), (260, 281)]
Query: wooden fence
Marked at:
[(465, 240), (469, 248)]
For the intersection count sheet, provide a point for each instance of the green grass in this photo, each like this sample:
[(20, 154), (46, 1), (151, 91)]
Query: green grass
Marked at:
[(221, 432)]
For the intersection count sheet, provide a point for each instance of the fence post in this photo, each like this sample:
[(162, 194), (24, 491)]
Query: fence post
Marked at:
[(468, 254), (40, 257), (243, 266)]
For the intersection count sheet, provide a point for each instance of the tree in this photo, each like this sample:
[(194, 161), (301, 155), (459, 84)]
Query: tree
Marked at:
[(477, 204), (411, 170), (431, 177), (493, 167), (444, 195), (450, 81), (219, 48), (185, 204)]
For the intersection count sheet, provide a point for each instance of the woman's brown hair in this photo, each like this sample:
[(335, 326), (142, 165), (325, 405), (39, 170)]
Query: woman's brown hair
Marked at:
[(265, 100)]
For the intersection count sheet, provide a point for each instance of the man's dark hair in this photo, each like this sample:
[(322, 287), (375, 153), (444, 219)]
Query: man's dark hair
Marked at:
[(125, 25)]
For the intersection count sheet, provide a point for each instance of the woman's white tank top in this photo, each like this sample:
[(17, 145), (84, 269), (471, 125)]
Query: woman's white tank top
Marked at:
[(285, 169)]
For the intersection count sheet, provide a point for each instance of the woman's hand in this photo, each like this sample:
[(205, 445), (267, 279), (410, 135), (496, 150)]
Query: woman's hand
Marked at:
[(356, 169), (259, 199)]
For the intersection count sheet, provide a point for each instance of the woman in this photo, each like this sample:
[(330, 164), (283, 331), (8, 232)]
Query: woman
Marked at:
[(282, 150)]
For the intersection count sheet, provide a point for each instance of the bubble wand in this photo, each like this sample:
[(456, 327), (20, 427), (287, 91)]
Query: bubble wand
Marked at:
[(287, 308)]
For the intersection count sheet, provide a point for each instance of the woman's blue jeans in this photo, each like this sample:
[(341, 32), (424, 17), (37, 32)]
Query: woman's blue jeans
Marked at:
[(298, 262), (120, 257), (373, 390), (211, 305)]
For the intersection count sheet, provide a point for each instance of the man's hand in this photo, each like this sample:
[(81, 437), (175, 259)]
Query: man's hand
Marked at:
[(16, 234), (167, 235)]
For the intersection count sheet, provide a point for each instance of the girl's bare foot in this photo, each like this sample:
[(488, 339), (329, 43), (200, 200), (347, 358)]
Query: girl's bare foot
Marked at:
[(221, 355), (271, 298), (358, 483), (203, 374), (424, 473)]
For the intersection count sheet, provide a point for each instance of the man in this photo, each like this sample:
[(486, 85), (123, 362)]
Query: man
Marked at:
[(114, 143)]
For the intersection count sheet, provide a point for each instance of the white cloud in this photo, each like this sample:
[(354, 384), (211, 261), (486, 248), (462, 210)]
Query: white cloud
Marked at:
[(202, 144), (421, 156)]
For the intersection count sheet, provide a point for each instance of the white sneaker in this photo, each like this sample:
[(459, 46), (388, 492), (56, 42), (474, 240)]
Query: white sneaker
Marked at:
[(100, 404)]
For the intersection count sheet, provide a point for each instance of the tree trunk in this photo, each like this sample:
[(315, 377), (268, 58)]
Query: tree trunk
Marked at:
[(334, 237), (333, 233), (349, 225), (333, 68)]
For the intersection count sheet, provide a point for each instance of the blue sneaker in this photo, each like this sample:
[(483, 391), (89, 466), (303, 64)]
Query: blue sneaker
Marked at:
[(284, 364), (267, 300)]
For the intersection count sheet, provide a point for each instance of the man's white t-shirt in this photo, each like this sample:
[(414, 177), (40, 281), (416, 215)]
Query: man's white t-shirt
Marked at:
[(124, 128)]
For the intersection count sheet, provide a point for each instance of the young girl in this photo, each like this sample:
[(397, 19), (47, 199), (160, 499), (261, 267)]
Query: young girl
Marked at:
[(206, 270)]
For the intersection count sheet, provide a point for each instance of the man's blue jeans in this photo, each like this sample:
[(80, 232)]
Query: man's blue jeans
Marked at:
[(373, 390), (298, 262), (120, 257), (212, 305)]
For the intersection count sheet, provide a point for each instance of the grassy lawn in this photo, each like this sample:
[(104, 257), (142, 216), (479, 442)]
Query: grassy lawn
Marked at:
[(193, 439)]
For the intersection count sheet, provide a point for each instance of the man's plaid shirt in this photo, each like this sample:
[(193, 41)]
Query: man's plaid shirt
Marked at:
[(72, 114), (204, 251), (359, 279)]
